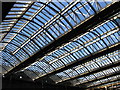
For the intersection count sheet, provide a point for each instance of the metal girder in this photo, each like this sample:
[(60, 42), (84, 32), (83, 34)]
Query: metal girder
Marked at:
[(18, 19), (58, 12), (102, 84), (85, 60), (11, 54), (21, 35), (108, 85), (103, 78), (103, 15), (97, 71)]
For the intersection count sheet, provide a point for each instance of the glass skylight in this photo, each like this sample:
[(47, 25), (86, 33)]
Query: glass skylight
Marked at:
[(95, 76), (88, 67), (102, 81), (83, 46), (30, 26)]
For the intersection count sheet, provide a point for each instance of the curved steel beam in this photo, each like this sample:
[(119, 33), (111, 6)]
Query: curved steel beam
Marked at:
[(63, 49), (82, 45), (8, 62), (57, 58), (26, 35), (113, 74), (92, 72), (57, 12), (21, 35), (11, 55), (103, 15), (19, 18), (99, 36), (17, 46), (45, 71), (36, 24)]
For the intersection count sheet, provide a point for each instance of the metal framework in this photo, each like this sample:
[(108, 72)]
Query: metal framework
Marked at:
[(114, 84), (68, 42)]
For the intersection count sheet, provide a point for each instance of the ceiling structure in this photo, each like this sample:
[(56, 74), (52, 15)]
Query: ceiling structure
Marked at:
[(69, 43), (5, 9)]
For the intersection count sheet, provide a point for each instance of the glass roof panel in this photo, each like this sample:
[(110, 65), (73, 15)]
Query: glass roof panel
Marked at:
[(92, 66), (95, 76), (102, 81), (35, 25), (84, 46)]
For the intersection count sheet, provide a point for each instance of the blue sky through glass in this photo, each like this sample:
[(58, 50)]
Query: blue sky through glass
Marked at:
[(42, 25)]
